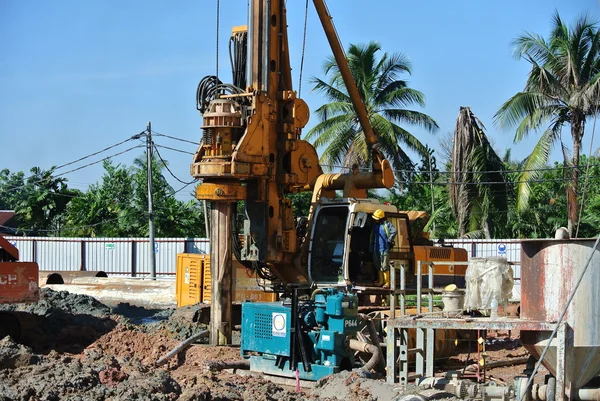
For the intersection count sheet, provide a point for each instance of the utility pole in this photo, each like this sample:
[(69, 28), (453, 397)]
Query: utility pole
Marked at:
[(432, 197), (151, 251)]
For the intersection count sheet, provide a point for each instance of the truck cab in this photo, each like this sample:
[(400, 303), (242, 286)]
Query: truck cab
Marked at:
[(340, 242)]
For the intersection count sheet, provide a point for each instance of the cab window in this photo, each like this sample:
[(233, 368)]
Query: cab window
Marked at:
[(327, 250)]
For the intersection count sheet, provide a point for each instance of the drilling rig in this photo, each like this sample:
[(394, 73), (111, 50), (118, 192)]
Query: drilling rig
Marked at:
[(251, 154), (251, 151)]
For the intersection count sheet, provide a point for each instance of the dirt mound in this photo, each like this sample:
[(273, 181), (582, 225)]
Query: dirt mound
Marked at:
[(13, 355), (356, 385), (235, 388), (124, 341), (68, 303), (93, 377)]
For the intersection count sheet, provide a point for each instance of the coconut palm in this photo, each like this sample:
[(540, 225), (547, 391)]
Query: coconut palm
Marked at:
[(562, 89), (386, 98), (477, 183)]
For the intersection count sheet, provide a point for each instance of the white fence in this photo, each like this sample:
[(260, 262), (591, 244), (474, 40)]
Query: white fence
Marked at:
[(115, 256), (129, 256)]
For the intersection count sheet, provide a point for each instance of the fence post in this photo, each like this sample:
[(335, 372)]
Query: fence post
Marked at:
[(82, 245), (133, 258)]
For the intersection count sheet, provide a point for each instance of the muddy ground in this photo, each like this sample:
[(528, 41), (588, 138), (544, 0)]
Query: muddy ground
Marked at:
[(75, 348)]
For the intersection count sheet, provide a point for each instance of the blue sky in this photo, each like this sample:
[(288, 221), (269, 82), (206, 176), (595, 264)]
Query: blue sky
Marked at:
[(78, 76)]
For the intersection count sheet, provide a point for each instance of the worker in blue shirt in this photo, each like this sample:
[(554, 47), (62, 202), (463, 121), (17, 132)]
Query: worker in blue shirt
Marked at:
[(382, 240)]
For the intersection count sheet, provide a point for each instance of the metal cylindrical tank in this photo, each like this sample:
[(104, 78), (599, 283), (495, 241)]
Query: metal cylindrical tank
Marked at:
[(549, 272)]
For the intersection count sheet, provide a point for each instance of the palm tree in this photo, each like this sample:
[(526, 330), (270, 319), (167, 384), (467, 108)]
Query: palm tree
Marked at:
[(562, 89), (384, 95), (477, 184)]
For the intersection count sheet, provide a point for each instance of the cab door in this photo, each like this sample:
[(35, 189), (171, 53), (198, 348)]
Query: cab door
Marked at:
[(402, 252)]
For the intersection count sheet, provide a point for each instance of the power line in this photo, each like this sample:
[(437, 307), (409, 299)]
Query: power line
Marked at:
[(98, 152), (175, 138), (101, 160), (61, 228), (182, 188), (491, 182), (468, 172), (175, 150), (169, 170), (78, 160)]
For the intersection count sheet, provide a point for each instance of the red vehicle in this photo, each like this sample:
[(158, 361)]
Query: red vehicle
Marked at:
[(18, 283)]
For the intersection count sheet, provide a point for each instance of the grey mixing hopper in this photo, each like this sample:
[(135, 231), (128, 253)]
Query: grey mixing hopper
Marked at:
[(549, 272)]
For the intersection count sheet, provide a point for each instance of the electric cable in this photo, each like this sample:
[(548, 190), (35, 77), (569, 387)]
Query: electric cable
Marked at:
[(101, 160), (75, 169), (175, 138), (303, 49), (508, 171), (175, 150), (217, 44), (98, 152), (169, 170), (61, 228)]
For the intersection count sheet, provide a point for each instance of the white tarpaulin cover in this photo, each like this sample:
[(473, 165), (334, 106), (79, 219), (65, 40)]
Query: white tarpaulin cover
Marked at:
[(488, 278)]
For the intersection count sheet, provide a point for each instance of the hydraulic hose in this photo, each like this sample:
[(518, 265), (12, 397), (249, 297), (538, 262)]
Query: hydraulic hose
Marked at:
[(370, 349), (373, 334)]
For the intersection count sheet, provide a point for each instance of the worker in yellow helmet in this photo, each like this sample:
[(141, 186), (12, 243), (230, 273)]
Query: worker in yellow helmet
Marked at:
[(382, 240)]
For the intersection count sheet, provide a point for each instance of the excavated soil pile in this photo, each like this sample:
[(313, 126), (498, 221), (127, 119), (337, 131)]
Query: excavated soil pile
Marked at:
[(75, 348), (61, 321)]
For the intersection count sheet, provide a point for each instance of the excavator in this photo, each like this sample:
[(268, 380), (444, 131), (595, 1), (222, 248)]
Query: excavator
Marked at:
[(18, 284), (251, 154)]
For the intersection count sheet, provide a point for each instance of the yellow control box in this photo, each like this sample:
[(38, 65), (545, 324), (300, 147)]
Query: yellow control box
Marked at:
[(193, 283)]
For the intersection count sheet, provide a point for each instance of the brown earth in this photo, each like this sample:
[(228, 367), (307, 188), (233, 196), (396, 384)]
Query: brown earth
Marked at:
[(86, 351)]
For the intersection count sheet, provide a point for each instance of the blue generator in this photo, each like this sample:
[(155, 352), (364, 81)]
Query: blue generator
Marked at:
[(311, 337)]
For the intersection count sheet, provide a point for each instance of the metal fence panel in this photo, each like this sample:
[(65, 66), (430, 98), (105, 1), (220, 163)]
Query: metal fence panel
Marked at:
[(130, 255), (197, 245), (58, 253), (166, 254), (25, 246), (109, 255)]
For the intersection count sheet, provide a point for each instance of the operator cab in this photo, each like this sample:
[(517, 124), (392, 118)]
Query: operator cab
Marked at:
[(340, 248)]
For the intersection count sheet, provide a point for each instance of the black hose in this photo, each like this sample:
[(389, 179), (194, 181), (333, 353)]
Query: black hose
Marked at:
[(238, 50), (210, 88), (375, 352)]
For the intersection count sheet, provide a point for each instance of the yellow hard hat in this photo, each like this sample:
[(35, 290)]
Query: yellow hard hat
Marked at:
[(378, 214)]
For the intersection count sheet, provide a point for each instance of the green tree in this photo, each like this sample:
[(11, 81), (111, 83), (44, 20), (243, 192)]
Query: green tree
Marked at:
[(562, 89), (385, 97), (416, 194), (12, 186), (117, 206), (42, 201), (477, 184), (106, 209), (172, 218)]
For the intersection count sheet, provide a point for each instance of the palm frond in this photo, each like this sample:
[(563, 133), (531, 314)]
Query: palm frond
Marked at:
[(515, 109), (330, 91), (325, 131), (411, 117), (539, 118), (401, 97), (535, 162)]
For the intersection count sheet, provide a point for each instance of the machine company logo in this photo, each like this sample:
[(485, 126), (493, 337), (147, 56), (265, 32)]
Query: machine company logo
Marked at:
[(279, 324)]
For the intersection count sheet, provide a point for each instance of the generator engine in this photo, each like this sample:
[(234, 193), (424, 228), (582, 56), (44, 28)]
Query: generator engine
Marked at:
[(308, 339)]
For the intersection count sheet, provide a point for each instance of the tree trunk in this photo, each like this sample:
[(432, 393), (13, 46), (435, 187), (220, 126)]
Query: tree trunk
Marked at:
[(573, 174)]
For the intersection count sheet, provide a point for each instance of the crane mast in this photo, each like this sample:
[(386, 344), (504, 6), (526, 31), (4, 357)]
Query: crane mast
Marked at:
[(252, 151)]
